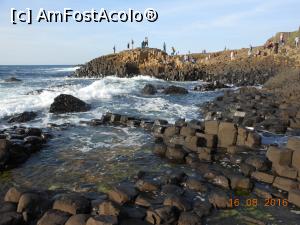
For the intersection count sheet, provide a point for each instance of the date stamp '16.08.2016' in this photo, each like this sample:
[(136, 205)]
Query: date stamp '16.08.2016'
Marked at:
[(255, 202)]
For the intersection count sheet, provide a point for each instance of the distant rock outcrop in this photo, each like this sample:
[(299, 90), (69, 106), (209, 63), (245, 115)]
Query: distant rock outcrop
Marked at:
[(243, 70), (12, 79), (22, 117), (68, 103)]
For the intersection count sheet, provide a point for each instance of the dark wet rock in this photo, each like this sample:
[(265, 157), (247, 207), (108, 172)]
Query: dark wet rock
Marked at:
[(11, 218), (258, 162), (146, 185), (172, 189), (12, 79), (219, 199), (196, 185), (102, 220), (148, 199), (32, 205), (4, 152), (79, 219), (211, 86), (109, 208), (174, 90), (238, 182), (134, 212), (22, 117), (72, 204), (33, 131), (247, 169), (123, 193), (221, 181), (189, 218), (202, 208), (8, 207), (54, 217), (149, 89), (179, 202), (162, 215), (176, 154), (160, 149), (67, 104), (134, 222)]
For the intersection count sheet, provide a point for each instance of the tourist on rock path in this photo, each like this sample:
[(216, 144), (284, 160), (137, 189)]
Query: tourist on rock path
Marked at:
[(297, 41)]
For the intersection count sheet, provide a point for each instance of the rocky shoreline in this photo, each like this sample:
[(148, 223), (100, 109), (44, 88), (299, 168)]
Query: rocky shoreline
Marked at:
[(228, 159), (154, 62)]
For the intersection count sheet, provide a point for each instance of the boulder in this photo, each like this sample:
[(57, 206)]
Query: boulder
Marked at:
[(54, 217), (13, 195), (79, 219), (280, 156), (102, 220), (160, 149), (221, 181), (22, 117), (240, 182), (162, 215), (147, 185), (263, 177), (253, 140), (149, 89), (33, 204), (133, 212), (174, 90), (8, 207), (187, 131), (209, 140), (294, 197), (211, 127), (171, 131), (72, 204), (179, 202), (123, 193), (285, 184), (176, 154), (195, 185), (227, 134), (296, 160), (285, 171), (189, 218), (258, 162), (108, 208), (294, 143), (67, 104), (219, 199), (11, 218), (211, 86)]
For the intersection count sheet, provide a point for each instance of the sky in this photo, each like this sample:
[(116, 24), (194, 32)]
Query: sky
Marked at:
[(188, 25)]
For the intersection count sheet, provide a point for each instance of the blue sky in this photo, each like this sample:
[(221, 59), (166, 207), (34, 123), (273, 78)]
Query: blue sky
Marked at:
[(188, 25)]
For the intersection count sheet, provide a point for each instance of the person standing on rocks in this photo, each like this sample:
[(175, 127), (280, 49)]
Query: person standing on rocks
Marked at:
[(146, 42), (165, 47), (173, 51), (114, 48), (128, 46), (297, 41), (281, 39), (232, 55), (250, 50), (132, 43)]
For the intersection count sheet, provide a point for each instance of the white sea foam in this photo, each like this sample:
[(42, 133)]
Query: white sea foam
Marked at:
[(99, 93)]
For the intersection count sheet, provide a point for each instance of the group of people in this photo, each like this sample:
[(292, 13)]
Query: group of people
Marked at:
[(282, 40)]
